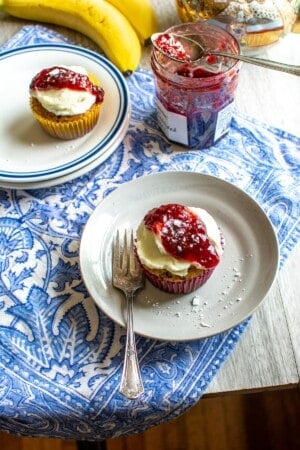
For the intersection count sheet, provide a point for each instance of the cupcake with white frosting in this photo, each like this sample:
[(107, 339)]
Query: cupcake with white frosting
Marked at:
[(66, 101), (178, 247)]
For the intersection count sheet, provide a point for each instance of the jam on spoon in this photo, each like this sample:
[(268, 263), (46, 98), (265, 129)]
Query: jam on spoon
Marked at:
[(175, 47)]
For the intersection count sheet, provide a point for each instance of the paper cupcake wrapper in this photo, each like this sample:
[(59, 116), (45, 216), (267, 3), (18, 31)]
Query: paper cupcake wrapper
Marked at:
[(181, 286), (72, 128)]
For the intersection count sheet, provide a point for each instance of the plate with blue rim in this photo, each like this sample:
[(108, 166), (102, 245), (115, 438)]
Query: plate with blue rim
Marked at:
[(27, 153)]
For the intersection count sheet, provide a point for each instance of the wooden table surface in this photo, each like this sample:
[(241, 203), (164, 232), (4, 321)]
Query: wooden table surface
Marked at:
[(268, 354)]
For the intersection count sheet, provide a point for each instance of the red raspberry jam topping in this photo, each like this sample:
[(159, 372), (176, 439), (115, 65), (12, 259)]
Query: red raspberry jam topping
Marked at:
[(190, 72), (171, 47), (211, 59), (182, 234), (62, 78)]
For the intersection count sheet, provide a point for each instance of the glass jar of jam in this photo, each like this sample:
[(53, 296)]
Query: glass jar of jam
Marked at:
[(195, 99)]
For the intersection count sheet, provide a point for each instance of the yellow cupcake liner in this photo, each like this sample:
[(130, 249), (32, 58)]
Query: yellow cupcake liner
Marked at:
[(65, 127)]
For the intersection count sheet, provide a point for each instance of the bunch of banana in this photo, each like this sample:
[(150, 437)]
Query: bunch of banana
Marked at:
[(118, 27), (140, 14)]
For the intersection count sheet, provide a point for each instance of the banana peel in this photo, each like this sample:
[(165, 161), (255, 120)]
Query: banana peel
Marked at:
[(97, 19), (140, 14)]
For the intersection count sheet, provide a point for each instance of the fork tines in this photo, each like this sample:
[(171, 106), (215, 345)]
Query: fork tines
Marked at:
[(124, 254), (125, 264)]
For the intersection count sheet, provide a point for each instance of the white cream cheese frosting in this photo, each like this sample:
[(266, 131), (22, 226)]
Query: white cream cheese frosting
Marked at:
[(152, 253), (65, 102)]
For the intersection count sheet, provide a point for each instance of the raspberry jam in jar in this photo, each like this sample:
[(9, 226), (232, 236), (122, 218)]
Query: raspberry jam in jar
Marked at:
[(195, 99)]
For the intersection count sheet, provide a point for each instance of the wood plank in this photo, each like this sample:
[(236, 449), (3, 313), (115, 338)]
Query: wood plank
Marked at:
[(12, 442), (290, 292), (263, 357)]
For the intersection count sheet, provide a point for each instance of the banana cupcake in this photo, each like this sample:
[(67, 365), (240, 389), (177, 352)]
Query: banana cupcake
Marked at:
[(178, 247), (66, 101)]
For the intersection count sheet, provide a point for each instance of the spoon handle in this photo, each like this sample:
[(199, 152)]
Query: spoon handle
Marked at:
[(288, 68)]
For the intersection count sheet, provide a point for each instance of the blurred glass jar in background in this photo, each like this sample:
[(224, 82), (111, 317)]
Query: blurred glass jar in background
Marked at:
[(255, 23)]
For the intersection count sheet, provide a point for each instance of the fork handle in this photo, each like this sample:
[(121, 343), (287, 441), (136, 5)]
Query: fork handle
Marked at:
[(131, 381)]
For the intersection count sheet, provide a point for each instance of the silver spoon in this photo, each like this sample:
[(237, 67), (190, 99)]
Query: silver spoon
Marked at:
[(196, 52)]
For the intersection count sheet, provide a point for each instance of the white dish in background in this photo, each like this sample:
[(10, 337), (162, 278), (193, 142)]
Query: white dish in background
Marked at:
[(236, 288), (27, 153)]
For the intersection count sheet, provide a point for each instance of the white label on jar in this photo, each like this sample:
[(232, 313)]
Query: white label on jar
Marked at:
[(173, 125), (223, 121)]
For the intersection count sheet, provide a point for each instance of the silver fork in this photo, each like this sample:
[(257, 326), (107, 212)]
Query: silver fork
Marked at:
[(128, 277)]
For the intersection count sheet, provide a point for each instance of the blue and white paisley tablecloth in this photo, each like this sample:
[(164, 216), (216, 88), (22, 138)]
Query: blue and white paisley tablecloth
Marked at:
[(60, 357)]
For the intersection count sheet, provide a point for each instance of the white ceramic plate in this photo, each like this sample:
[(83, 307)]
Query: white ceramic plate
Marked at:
[(236, 288), (27, 153), (40, 184)]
